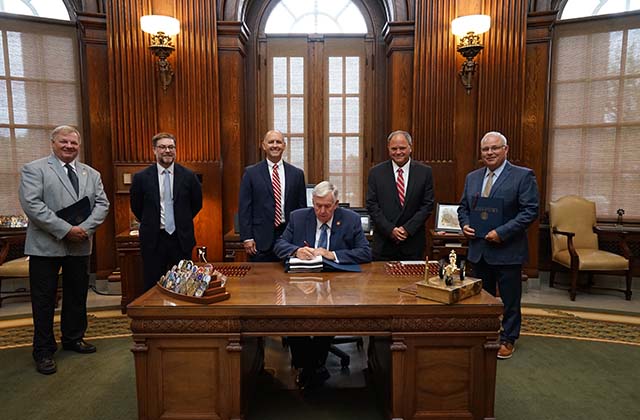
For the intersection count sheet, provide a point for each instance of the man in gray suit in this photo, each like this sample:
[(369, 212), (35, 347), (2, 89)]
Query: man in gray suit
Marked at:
[(48, 185)]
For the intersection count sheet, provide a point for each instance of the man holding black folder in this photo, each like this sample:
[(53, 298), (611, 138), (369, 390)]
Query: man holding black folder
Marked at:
[(499, 203), (65, 202)]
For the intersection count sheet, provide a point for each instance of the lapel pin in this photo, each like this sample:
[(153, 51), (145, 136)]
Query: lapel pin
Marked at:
[(338, 223)]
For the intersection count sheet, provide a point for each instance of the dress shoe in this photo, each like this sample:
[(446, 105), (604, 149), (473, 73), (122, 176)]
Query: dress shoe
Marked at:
[(46, 365), (80, 346), (506, 350)]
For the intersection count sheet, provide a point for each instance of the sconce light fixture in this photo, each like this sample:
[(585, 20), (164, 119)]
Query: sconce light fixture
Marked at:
[(161, 28), (468, 28)]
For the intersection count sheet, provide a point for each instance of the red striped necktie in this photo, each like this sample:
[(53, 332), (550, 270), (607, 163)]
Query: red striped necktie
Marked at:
[(277, 195), (400, 186)]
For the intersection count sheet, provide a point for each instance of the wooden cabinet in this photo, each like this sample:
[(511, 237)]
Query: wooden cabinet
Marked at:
[(233, 248), (441, 244)]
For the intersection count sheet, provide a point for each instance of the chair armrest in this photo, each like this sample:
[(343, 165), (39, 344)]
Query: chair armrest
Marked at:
[(569, 235), (621, 236)]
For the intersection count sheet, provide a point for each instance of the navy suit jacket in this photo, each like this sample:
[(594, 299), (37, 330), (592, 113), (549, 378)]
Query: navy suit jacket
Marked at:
[(384, 207), (347, 239), (145, 204), (517, 187), (256, 207)]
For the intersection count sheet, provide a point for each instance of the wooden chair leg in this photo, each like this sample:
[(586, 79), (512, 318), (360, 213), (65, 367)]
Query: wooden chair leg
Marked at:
[(552, 276), (627, 293), (590, 279), (574, 284)]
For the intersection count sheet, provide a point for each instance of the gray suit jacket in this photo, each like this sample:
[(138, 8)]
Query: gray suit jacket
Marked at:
[(44, 189)]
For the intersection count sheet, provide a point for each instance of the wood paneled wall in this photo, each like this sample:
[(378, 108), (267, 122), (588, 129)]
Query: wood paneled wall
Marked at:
[(189, 108)]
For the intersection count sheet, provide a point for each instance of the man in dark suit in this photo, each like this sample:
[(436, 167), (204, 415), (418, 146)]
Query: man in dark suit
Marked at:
[(259, 191), (54, 243), (165, 197), (335, 234), (399, 201), (498, 257)]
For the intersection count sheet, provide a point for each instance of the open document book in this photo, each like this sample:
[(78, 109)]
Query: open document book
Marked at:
[(317, 264)]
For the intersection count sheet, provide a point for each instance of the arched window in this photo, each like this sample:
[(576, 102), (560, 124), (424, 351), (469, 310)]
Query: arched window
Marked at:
[(318, 17), (313, 84), (584, 8), (52, 9), (594, 147), (39, 86)]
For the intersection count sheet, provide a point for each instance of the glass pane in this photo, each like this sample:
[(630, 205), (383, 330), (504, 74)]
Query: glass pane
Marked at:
[(279, 75), (335, 75), (351, 20), (18, 50), (335, 155), (53, 9), (352, 155), (337, 180), (565, 153), (2, 55), (352, 115), (628, 149), (631, 101), (606, 64), (599, 150), (632, 65), (313, 16), (583, 8), (29, 102), (352, 71), (571, 58), (58, 54), (297, 115), (296, 70), (280, 114), (604, 102), (335, 115), (568, 100), (296, 152), (4, 103), (32, 144)]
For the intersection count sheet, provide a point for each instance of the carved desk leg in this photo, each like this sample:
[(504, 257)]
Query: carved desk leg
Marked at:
[(398, 361)]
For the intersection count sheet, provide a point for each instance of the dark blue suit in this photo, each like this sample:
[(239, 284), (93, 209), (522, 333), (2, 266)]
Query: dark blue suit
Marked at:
[(145, 204), (256, 207), (347, 239), (502, 262), (348, 242)]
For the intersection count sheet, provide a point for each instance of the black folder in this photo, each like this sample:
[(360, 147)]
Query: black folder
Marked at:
[(76, 213), (486, 215)]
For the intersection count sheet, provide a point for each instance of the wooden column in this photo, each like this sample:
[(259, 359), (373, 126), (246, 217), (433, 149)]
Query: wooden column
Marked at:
[(399, 39), (536, 114), (92, 35), (232, 39)]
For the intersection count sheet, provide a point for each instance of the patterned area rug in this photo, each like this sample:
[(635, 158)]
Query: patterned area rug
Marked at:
[(559, 324)]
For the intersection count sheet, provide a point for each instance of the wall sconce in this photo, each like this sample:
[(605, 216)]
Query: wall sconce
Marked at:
[(161, 28), (468, 28)]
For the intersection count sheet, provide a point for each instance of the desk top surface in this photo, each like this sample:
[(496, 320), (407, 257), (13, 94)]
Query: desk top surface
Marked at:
[(266, 290)]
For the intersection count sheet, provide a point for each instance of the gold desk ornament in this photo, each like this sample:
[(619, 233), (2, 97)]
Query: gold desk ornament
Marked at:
[(451, 284)]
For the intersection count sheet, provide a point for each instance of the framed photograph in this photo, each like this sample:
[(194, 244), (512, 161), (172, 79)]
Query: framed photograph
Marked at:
[(447, 218)]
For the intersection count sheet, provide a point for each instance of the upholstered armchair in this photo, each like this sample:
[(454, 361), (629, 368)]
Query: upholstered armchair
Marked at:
[(574, 244), (14, 268)]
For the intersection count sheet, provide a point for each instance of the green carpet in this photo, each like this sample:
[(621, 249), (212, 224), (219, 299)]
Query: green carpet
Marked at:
[(548, 378)]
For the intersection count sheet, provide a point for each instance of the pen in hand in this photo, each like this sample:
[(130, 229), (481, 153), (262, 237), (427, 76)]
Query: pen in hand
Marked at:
[(305, 243)]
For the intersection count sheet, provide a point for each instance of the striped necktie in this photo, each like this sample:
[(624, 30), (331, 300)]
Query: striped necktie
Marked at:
[(277, 196), (487, 187), (400, 186)]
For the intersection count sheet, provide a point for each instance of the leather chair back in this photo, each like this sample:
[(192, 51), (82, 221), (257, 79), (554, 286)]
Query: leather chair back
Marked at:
[(573, 214)]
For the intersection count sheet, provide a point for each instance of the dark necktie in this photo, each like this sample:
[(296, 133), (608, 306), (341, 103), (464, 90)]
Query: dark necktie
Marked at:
[(322, 240), (72, 177)]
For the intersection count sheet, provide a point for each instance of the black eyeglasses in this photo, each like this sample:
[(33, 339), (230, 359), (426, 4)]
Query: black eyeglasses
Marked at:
[(163, 147)]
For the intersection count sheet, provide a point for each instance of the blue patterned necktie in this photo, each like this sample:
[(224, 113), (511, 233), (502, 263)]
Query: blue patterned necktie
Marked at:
[(322, 240), (169, 222)]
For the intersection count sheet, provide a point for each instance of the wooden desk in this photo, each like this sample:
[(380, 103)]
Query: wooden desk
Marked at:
[(609, 240), (431, 360)]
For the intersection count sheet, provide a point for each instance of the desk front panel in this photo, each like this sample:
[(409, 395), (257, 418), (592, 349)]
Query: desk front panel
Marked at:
[(432, 360)]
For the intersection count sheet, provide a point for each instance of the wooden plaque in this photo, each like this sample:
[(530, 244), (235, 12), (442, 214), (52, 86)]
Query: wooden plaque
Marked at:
[(433, 290)]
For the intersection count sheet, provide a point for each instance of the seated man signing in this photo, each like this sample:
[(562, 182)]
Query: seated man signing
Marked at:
[(335, 234)]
